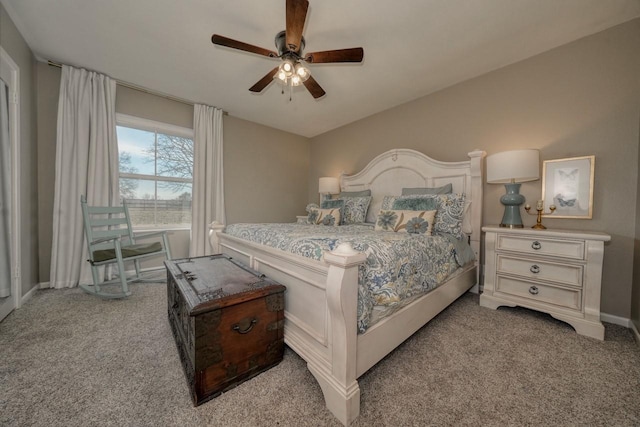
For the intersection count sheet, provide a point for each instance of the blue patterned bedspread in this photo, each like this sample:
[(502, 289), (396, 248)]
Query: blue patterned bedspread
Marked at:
[(398, 266)]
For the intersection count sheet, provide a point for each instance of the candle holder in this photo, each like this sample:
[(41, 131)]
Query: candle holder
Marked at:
[(540, 213)]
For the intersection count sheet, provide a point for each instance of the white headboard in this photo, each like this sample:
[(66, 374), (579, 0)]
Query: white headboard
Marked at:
[(390, 172)]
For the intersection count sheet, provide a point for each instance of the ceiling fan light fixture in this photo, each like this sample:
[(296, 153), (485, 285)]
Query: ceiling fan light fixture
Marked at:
[(292, 72), (280, 75), (296, 80), (302, 72), (287, 67)]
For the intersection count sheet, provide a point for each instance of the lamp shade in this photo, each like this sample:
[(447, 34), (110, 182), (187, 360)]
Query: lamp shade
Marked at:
[(328, 185), (513, 166)]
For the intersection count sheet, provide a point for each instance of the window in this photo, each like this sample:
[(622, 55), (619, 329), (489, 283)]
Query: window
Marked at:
[(156, 172)]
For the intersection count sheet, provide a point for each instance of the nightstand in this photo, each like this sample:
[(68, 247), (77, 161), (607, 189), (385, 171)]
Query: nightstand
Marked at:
[(558, 272)]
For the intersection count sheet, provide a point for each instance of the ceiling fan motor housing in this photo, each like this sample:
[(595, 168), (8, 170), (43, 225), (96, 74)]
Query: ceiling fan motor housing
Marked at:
[(281, 45)]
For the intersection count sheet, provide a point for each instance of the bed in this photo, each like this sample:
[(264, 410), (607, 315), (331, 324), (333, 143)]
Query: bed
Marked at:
[(321, 309)]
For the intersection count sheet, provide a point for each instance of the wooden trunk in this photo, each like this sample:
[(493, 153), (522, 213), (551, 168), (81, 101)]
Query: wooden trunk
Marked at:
[(227, 320)]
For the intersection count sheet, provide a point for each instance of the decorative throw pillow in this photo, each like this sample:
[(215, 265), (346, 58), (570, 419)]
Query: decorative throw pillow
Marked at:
[(387, 202), (324, 217), (416, 203), (311, 206), (445, 189), (332, 203), (450, 210), (410, 221), (450, 214), (355, 210)]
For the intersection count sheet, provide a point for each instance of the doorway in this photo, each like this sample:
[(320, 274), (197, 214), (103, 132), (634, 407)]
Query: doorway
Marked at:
[(10, 286)]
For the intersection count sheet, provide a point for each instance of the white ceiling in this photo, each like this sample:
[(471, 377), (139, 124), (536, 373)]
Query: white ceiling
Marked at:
[(411, 47)]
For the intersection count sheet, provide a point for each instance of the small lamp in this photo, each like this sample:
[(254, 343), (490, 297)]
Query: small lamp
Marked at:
[(328, 185), (511, 168)]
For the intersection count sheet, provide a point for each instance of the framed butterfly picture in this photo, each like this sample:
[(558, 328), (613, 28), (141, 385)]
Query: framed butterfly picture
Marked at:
[(568, 184)]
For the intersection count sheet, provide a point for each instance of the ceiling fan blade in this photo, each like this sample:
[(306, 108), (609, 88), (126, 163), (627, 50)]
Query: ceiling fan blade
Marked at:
[(296, 15), (234, 44), (354, 54), (264, 82), (314, 88)]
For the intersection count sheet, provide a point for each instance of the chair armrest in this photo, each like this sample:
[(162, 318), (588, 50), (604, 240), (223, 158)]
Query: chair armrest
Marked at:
[(105, 239)]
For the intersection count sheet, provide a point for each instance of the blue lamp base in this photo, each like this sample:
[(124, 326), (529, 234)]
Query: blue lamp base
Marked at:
[(512, 201)]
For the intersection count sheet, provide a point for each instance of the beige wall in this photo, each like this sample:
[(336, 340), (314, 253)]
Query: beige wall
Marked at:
[(265, 172), (48, 88), (13, 43), (261, 163), (152, 107), (579, 99)]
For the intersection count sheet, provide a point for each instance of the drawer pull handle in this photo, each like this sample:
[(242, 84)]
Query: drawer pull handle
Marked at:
[(535, 269), (533, 290), (536, 245), (248, 329)]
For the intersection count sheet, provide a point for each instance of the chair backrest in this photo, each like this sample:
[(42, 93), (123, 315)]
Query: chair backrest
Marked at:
[(104, 222)]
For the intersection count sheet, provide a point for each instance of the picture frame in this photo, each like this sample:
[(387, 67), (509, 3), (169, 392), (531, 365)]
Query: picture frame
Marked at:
[(568, 184)]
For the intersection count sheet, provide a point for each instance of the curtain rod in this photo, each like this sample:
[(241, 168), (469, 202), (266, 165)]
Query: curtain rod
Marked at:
[(142, 89)]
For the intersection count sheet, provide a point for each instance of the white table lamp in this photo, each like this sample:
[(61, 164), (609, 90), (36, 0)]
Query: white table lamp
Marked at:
[(511, 168), (328, 185)]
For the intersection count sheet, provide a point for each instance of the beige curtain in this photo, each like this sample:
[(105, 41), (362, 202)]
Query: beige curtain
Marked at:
[(208, 177), (86, 164)]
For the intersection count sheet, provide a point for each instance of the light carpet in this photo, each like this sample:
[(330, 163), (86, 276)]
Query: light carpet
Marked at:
[(70, 359)]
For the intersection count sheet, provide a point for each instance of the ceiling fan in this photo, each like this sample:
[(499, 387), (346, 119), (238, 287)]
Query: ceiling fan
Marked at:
[(290, 44)]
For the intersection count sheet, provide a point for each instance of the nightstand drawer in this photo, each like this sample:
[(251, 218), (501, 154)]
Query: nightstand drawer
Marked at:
[(573, 249), (567, 274), (569, 298)]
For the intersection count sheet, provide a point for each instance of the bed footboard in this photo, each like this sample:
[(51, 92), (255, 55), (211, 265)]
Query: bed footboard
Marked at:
[(320, 312)]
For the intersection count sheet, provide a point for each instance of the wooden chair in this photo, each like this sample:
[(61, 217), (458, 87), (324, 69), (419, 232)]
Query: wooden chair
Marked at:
[(111, 240)]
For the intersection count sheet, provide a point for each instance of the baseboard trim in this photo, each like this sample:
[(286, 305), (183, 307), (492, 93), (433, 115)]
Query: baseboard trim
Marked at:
[(26, 297), (636, 334), (47, 285), (616, 320)]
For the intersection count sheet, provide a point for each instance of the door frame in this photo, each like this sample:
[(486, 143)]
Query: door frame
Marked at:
[(10, 74)]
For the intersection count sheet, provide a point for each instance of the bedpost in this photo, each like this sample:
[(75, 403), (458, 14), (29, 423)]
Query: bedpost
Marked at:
[(215, 228), (477, 182), (338, 380)]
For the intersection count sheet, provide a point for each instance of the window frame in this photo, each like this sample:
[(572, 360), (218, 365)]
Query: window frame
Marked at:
[(157, 127)]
